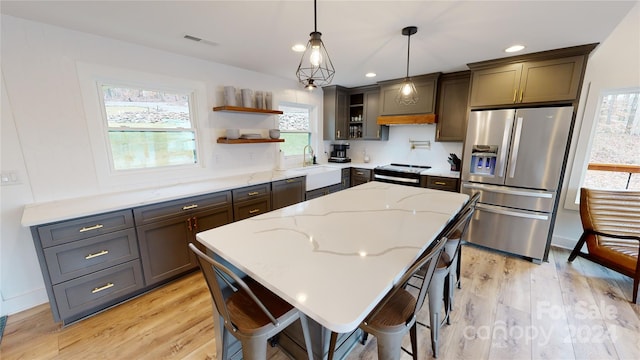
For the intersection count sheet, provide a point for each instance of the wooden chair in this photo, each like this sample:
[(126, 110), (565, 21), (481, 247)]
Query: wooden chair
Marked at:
[(611, 224), (395, 315), (251, 313)]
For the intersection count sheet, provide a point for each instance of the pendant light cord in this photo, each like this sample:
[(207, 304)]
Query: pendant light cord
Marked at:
[(315, 17), (408, 49)]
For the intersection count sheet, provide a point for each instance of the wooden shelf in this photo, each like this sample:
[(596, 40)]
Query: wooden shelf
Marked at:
[(224, 140), (246, 110)]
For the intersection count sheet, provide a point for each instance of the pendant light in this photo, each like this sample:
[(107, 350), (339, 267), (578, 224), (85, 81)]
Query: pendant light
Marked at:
[(315, 67), (408, 95)]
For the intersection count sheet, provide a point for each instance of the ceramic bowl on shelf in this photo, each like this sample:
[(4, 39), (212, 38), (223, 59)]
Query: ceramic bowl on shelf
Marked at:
[(233, 134), (274, 133)]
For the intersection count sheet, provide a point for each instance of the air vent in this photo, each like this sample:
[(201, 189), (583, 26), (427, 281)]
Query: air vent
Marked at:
[(200, 40)]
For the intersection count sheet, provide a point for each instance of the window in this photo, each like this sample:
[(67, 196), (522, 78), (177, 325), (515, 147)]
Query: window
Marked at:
[(148, 128), (295, 129), (614, 161)]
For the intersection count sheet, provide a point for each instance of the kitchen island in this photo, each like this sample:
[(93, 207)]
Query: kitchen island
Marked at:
[(335, 257)]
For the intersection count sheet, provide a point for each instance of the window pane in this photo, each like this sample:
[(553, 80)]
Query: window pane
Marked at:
[(294, 118), (294, 143), (148, 128), (616, 140), (148, 149)]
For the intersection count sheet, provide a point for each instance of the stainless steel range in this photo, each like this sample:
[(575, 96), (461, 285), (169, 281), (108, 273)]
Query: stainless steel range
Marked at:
[(402, 174)]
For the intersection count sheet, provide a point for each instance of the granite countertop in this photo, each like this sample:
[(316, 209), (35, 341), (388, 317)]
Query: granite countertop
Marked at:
[(59, 210), (315, 254)]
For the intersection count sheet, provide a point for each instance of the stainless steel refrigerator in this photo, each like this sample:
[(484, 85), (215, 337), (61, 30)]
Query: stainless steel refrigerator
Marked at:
[(515, 158)]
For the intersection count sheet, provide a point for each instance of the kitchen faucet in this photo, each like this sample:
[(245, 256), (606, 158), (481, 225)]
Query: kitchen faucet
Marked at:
[(304, 155)]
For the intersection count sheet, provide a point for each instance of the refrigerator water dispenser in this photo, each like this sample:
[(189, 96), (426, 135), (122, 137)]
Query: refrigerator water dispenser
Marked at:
[(483, 159)]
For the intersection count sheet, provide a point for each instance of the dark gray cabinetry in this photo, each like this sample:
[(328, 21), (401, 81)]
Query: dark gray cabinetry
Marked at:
[(312, 194), (453, 95), (287, 192), (426, 86), (549, 76), (89, 263), (442, 183), (363, 114), (165, 229), (251, 201), (346, 178), (360, 176), (335, 113)]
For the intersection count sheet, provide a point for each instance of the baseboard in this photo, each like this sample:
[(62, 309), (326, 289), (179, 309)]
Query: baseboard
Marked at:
[(24, 301), (563, 242)]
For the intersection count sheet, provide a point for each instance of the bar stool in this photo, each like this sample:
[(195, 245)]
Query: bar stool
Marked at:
[(252, 313)]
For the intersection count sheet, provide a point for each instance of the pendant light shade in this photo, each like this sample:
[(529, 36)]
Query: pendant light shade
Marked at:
[(408, 95), (315, 68)]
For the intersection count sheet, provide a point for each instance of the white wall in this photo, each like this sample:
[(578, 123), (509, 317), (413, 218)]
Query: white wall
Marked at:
[(45, 137), (614, 64)]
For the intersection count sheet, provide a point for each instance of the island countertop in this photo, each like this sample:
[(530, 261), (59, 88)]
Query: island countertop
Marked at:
[(335, 257)]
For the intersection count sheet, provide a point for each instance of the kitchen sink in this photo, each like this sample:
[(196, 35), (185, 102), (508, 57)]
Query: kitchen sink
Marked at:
[(319, 176)]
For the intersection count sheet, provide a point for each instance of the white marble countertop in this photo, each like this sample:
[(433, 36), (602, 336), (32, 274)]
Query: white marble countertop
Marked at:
[(335, 257), (52, 211)]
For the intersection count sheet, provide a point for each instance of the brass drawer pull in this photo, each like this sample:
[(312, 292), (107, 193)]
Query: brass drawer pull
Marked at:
[(253, 193), (254, 211), (95, 255), (189, 207), (521, 95), (440, 183), (94, 227), (359, 173), (290, 180), (105, 287), (515, 95)]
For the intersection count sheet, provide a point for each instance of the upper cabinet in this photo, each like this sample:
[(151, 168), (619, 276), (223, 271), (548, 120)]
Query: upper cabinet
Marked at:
[(453, 93), (426, 86), (335, 112), (363, 114), (549, 76)]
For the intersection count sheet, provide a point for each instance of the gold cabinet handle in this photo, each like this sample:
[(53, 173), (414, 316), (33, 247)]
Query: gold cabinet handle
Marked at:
[(105, 287), (254, 211), (359, 173), (521, 95), (95, 255), (440, 183), (338, 134), (253, 193), (94, 227), (438, 136), (189, 207), (290, 181), (515, 95)]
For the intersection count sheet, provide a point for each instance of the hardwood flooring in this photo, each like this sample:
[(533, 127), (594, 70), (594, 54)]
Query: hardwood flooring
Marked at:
[(508, 308)]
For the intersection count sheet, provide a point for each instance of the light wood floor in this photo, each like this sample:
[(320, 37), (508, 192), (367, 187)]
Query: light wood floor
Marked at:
[(507, 309)]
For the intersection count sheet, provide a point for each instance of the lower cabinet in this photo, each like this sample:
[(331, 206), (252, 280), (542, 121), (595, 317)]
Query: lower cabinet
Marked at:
[(360, 176), (442, 183), (164, 231), (346, 178), (251, 201), (287, 192), (312, 194)]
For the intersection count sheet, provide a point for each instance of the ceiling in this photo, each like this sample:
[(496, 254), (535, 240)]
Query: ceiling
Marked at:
[(360, 36)]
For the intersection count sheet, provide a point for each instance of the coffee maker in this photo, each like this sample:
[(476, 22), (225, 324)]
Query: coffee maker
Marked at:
[(339, 153)]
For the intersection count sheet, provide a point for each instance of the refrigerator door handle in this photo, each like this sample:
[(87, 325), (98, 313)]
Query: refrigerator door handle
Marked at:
[(507, 191), (502, 211), (505, 146), (516, 146)]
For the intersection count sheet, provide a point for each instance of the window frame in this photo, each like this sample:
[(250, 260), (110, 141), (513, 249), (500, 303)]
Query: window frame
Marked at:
[(91, 78), (310, 132), (584, 144)]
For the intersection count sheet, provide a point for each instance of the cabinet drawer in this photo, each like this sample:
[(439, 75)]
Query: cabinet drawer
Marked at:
[(170, 209), (247, 209), (82, 257), (442, 183), (251, 192), (84, 294), (364, 173), (82, 228)]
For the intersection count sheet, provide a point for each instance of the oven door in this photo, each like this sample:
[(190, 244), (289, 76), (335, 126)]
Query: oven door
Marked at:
[(395, 177)]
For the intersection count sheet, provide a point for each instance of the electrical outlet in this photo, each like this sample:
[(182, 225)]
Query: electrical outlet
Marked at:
[(9, 178)]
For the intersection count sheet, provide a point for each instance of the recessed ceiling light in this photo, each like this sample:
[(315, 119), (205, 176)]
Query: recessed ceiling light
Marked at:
[(370, 74), (514, 48), (298, 48)]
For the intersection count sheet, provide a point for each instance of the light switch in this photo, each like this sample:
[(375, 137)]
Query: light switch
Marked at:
[(9, 178)]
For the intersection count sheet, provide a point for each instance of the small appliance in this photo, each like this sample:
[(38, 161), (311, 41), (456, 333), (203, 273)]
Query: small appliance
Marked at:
[(403, 174), (339, 153)]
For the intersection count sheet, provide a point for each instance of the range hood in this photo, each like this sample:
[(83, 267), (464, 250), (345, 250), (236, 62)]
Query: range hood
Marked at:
[(414, 119)]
